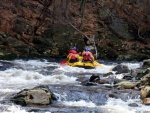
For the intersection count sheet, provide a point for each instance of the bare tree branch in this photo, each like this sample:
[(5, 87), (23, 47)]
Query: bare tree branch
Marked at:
[(43, 15), (82, 8)]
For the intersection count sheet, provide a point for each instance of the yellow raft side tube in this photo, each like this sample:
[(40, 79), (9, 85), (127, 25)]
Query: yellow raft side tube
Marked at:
[(85, 64)]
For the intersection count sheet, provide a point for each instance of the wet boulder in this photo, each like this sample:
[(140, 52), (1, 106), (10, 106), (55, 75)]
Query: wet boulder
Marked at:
[(147, 71), (89, 84), (40, 95), (112, 95), (127, 77), (146, 101), (145, 92), (142, 73), (146, 63), (104, 81), (121, 69), (145, 95), (107, 74), (125, 85), (145, 81), (134, 74), (94, 78)]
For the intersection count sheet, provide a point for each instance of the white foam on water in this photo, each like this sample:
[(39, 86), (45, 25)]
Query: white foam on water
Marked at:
[(34, 64), (70, 69), (37, 63), (132, 65), (15, 109), (61, 96), (60, 79), (62, 69), (109, 67), (118, 76), (6, 90), (18, 77), (80, 103), (120, 106)]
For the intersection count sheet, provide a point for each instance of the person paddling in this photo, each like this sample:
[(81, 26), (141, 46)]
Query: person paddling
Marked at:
[(73, 55), (87, 55)]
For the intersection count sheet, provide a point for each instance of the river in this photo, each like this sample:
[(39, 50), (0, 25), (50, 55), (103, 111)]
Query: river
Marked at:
[(65, 83)]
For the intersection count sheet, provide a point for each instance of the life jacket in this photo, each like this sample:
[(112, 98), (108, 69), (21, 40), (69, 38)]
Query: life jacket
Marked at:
[(72, 56), (73, 51), (86, 56)]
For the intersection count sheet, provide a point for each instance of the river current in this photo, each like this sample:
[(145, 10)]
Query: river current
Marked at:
[(65, 82)]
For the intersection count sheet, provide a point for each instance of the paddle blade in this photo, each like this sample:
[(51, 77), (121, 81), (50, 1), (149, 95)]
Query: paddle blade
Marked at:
[(63, 62)]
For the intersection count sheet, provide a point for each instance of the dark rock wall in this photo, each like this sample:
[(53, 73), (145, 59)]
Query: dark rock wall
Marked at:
[(37, 28)]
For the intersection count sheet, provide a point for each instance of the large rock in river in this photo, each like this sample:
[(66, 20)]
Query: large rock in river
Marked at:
[(145, 95), (121, 69), (125, 85), (146, 63), (145, 80), (40, 95), (145, 92)]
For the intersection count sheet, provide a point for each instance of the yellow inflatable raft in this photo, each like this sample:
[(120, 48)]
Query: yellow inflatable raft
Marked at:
[(85, 64)]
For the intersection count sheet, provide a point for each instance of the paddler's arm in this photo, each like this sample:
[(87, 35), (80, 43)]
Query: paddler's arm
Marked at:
[(92, 57), (78, 57), (69, 57)]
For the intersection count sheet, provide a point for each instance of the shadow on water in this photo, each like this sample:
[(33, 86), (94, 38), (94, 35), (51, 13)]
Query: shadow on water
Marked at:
[(5, 65)]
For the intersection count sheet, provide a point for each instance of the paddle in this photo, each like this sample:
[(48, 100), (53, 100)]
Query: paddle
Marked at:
[(64, 62)]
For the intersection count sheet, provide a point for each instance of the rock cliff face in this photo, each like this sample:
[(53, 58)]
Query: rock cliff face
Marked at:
[(37, 28)]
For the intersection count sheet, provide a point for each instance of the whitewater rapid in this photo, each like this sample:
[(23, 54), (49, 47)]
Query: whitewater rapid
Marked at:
[(29, 73)]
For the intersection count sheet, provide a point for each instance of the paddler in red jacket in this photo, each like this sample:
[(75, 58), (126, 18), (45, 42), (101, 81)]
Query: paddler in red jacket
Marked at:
[(87, 55), (73, 55)]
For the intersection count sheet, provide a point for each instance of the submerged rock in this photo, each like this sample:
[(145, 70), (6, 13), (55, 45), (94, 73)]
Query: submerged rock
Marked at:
[(94, 78), (40, 95), (121, 69), (133, 105)]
